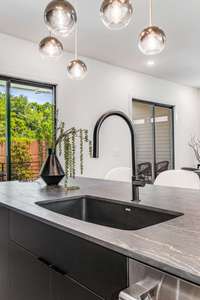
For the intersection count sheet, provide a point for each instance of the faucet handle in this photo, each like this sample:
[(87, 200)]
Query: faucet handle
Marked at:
[(138, 181)]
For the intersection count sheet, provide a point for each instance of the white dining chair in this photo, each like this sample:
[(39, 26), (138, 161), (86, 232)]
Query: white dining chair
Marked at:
[(178, 178), (119, 174)]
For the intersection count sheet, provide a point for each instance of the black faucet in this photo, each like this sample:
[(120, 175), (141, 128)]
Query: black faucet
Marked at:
[(136, 183)]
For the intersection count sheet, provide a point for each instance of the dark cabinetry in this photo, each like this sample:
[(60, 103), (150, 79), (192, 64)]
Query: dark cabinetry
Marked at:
[(4, 225), (31, 254), (98, 269), (64, 287), (33, 279), (40, 262), (28, 277)]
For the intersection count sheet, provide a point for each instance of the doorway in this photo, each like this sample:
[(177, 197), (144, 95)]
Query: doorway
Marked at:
[(154, 133)]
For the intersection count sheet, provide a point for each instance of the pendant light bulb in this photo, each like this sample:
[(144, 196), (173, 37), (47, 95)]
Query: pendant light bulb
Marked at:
[(60, 17), (76, 68), (116, 14), (152, 39), (51, 47)]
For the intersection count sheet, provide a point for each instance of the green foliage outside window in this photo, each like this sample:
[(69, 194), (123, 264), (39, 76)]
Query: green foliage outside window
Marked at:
[(21, 158), (30, 121)]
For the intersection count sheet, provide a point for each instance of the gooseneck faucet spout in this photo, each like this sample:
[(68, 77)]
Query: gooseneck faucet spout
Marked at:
[(135, 182)]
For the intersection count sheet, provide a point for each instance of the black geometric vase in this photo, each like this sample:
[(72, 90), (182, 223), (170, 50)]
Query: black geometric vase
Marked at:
[(52, 172)]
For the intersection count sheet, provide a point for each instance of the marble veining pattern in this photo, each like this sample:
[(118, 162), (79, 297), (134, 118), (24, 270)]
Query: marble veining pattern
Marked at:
[(173, 246)]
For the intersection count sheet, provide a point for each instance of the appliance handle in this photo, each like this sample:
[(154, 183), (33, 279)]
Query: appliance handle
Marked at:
[(141, 290)]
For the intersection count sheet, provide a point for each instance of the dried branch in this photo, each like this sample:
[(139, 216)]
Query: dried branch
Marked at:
[(195, 145)]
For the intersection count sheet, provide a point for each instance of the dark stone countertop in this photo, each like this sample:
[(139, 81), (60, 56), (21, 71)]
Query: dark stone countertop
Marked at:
[(173, 246)]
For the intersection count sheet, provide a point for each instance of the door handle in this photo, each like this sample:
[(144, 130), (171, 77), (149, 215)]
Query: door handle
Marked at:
[(142, 290)]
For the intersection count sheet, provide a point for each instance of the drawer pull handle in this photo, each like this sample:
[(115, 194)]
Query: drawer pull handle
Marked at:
[(58, 270), (51, 266), (44, 261)]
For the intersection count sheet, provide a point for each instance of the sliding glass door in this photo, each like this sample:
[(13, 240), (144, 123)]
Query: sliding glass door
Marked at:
[(2, 130), (163, 122), (30, 119), (153, 125), (142, 119)]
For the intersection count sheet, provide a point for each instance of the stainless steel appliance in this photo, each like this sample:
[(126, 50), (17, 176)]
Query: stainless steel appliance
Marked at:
[(149, 284)]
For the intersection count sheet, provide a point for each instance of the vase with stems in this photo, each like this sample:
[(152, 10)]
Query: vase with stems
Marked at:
[(71, 143)]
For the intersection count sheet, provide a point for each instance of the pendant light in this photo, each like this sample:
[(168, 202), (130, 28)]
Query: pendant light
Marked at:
[(60, 17), (76, 68), (152, 39), (51, 47), (116, 14)]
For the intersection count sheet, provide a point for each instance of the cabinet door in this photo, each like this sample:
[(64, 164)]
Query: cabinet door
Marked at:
[(63, 288), (28, 277), (99, 269), (3, 253)]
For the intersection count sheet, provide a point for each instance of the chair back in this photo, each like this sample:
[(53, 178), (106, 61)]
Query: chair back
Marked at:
[(178, 178), (161, 166), (119, 174), (144, 169)]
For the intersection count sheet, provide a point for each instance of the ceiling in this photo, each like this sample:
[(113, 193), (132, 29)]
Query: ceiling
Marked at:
[(180, 19)]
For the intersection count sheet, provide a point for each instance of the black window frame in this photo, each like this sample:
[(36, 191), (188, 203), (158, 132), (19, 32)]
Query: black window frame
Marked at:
[(10, 80)]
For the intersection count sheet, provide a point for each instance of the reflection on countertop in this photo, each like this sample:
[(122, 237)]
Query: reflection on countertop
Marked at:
[(172, 246)]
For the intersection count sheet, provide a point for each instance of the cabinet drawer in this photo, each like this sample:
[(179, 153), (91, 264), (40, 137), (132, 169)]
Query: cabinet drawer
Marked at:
[(28, 277), (99, 269), (63, 287)]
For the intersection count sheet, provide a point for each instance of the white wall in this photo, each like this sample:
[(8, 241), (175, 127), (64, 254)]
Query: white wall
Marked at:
[(106, 87)]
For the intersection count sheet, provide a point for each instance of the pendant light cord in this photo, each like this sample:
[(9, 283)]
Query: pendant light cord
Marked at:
[(76, 41), (76, 33), (150, 12)]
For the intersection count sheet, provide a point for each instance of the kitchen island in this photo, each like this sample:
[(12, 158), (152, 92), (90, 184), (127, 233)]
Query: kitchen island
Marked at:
[(172, 246)]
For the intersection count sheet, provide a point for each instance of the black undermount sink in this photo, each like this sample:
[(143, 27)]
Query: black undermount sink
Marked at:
[(109, 213)]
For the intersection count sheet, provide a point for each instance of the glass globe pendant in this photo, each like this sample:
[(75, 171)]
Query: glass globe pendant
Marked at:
[(76, 68), (60, 17), (152, 39), (51, 47), (116, 14)]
